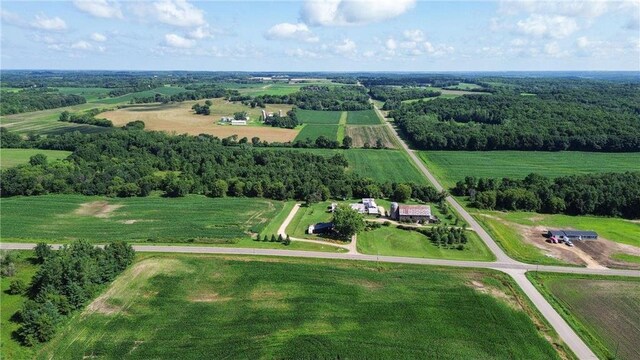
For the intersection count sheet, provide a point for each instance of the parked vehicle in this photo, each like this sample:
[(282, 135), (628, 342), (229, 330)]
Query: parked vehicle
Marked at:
[(569, 243)]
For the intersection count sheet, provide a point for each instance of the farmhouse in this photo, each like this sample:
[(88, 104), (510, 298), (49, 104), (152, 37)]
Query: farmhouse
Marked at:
[(573, 234), (367, 206), (413, 213), (320, 228)]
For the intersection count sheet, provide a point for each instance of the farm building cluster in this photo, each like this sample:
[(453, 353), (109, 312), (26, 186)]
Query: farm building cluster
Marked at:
[(420, 214), (567, 236), (233, 121)]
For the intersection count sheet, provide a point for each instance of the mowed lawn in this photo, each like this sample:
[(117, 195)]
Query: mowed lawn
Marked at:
[(194, 307), (452, 166), (388, 240), (13, 157), (604, 311)]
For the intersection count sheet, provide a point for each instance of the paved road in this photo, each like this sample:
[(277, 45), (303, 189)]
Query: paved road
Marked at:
[(565, 332)]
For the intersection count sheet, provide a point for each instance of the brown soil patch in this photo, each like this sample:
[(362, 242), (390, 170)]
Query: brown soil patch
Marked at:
[(208, 297), (180, 119), (99, 209), (602, 250), (496, 293), (362, 134)]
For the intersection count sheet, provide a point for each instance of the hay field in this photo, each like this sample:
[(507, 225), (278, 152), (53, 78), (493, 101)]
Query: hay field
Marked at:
[(180, 119)]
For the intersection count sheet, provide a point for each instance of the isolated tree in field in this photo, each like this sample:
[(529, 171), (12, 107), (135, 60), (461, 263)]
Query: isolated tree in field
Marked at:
[(240, 115), (402, 193), (379, 144), (347, 222), (347, 142)]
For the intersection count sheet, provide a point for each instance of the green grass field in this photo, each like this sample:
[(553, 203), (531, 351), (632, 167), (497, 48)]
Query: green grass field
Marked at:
[(604, 311), (395, 242), (306, 216), (13, 157), (452, 166), (92, 94), (364, 117), (10, 304), (241, 307), (318, 117), (313, 131), (614, 229), (511, 240), (164, 90)]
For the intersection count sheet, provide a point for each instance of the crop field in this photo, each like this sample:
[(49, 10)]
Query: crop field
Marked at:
[(370, 134), (10, 304), (92, 94), (604, 311), (13, 157), (313, 131), (242, 307), (363, 117), (452, 166), (100, 219), (180, 118), (388, 240), (45, 122), (314, 117)]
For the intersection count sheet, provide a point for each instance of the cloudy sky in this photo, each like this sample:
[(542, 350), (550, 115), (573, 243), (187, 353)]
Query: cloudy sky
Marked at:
[(330, 35)]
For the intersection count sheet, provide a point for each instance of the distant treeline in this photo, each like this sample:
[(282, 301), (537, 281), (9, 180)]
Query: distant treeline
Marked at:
[(393, 96), (195, 94), (15, 102), (334, 98), (87, 117), (134, 163), (607, 194), (549, 122)]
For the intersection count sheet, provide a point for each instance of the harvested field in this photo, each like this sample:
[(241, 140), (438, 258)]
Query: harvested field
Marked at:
[(370, 134), (604, 311), (180, 119)]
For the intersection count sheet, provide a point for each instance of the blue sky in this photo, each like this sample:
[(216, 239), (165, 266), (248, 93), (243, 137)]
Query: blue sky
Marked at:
[(333, 35)]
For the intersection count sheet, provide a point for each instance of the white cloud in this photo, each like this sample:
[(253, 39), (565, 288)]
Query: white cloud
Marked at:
[(390, 44), (556, 27), (99, 8), (288, 31), (352, 12), (301, 53), (178, 13), (98, 37), (587, 9), (81, 45), (45, 23), (555, 50), (178, 41), (200, 32), (346, 47), (582, 42), (415, 35)]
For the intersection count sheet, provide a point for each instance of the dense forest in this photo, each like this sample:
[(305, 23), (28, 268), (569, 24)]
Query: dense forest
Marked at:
[(579, 119), (191, 94), (314, 97), (15, 102), (65, 281), (289, 121), (608, 194), (393, 96), (132, 162)]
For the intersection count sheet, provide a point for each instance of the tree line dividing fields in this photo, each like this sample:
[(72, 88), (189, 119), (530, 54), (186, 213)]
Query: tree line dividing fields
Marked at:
[(604, 311), (286, 308)]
